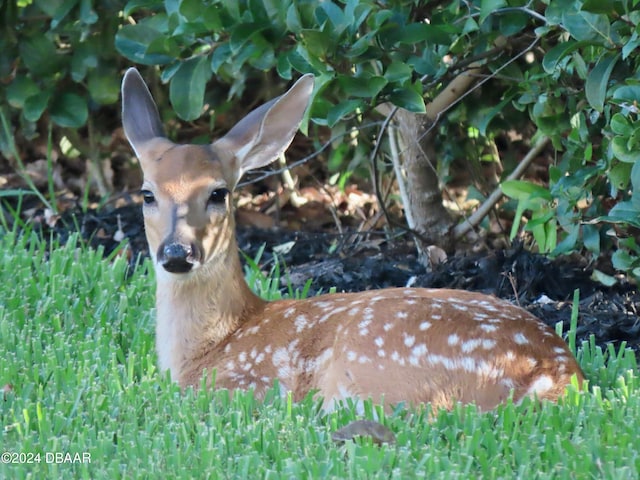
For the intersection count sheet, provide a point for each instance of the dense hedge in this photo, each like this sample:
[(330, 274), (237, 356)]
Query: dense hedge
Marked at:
[(562, 69)]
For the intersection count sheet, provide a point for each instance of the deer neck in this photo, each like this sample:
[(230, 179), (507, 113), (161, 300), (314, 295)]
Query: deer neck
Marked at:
[(196, 313)]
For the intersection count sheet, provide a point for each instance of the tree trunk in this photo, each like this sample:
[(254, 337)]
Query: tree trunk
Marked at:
[(430, 219)]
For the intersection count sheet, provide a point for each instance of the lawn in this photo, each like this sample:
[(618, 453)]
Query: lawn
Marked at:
[(82, 398)]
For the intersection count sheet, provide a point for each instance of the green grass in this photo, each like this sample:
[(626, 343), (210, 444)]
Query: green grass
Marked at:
[(76, 345)]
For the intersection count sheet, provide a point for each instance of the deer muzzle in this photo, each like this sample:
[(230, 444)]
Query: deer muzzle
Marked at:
[(177, 257)]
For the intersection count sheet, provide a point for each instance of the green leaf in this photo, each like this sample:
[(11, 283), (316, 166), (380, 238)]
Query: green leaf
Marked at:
[(624, 212), (487, 7), (620, 149), (293, 19), (522, 190), (85, 57), (362, 87), (591, 238), (339, 111), (132, 41), (620, 125), (598, 81), (619, 175), (603, 278), (20, 89), (69, 110), (398, 72), (586, 26), (317, 42), (490, 114), (630, 45), (635, 177), (554, 56), (629, 93), (283, 67), (88, 15), (598, 6), (408, 99), (40, 56), (35, 105), (334, 14), (134, 5), (242, 34), (415, 33), (191, 10), (568, 243), (187, 87), (104, 86), (622, 260), (56, 9)]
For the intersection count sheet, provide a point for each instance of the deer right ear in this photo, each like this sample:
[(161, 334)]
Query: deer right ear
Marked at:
[(140, 117)]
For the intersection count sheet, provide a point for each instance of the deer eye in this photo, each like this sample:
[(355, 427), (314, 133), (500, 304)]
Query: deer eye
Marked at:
[(218, 196), (147, 197)]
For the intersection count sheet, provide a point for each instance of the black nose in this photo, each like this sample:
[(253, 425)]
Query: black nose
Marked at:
[(176, 257)]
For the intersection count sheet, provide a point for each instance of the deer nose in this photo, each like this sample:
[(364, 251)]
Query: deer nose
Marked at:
[(176, 257)]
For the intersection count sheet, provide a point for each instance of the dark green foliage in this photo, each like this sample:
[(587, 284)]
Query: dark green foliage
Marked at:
[(567, 69), (57, 56)]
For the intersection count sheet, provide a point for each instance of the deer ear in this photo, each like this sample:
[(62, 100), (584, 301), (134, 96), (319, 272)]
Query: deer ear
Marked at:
[(139, 112), (260, 137)]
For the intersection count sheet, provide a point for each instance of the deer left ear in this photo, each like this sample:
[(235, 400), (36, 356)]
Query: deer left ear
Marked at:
[(265, 133), (140, 117)]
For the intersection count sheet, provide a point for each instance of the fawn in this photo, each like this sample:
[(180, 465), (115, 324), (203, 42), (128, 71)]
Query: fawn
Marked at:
[(411, 345)]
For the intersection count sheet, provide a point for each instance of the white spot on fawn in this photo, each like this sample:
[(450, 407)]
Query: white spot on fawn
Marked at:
[(409, 340), (470, 345), (419, 350), (424, 326), (387, 326), (351, 356), (300, 323), (459, 306), (541, 385), (488, 343), (401, 315), (453, 339), (488, 328), (253, 330), (379, 341), (520, 339), (323, 358), (363, 326)]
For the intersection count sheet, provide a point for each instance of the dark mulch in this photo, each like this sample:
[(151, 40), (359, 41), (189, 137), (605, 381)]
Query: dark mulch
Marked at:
[(368, 261)]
